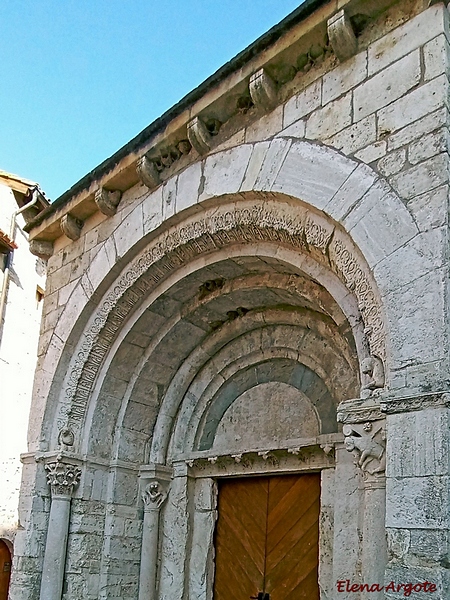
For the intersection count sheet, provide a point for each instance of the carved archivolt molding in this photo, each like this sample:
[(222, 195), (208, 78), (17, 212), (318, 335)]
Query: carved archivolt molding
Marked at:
[(276, 222)]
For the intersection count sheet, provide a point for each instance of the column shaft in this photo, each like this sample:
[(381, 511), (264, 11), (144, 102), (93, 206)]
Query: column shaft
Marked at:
[(149, 555), (55, 549)]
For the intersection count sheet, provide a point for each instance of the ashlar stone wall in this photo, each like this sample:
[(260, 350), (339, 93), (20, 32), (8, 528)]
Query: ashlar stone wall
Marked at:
[(303, 247)]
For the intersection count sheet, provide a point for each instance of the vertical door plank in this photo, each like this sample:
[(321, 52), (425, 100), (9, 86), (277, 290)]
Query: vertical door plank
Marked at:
[(293, 537), (240, 538)]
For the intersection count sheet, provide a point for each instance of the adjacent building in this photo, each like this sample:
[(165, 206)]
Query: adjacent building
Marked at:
[(22, 285)]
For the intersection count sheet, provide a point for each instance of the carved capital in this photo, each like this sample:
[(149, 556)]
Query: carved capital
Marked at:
[(199, 136), (71, 226), (62, 478), (263, 90), (155, 494), (41, 248), (147, 172), (368, 443), (341, 35), (107, 201)]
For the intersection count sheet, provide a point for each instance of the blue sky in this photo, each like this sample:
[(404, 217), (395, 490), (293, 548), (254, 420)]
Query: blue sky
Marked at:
[(80, 78)]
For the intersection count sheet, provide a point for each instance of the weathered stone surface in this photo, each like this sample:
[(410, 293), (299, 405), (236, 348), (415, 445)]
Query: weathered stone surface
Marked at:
[(301, 171), (417, 502), (344, 77), (224, 173), (303, 103), (415, 105), (385, 87), (327, 121), (362, 133), (403, 40)]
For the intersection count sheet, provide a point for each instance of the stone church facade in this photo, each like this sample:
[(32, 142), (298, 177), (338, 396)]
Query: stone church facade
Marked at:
[(255, 291)]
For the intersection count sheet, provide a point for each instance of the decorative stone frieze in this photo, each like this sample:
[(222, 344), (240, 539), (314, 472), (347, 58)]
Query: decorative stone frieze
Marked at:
[(41, 248), (62, 478), (359, 410), (107, 201), (71, 226), (199, 136), (341, 35), (404, 404), (306, 454), (263, 90)]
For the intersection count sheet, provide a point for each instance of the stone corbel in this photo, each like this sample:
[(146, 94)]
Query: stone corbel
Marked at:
[(71, 226), (41, 248), (263, 90), (147, 172), (341, 35), (107, 201), (199, 136)]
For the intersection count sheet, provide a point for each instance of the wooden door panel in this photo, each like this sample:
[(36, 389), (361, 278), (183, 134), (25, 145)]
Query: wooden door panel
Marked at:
[(240, 538), (267, 538), (292, 537), (5, 570)]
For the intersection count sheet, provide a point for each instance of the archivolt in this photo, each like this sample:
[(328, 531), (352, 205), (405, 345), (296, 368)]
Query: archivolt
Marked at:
[(283, 221)]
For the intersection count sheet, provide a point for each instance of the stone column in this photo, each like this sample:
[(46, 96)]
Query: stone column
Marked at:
[(418, 493), (63, 479), (155, 482), (201, 555), (364, 432)]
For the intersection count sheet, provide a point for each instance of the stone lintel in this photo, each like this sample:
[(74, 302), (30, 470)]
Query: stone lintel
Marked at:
[(341, 35), (147, 172), (263, 90), (107, 201), (359, 410), (71, 226), (41, 248), (391, 406), (199, 136)]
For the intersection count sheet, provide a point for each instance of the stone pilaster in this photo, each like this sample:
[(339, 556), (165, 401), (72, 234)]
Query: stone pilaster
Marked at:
[(418, 493), (155, 486), (62, 478), (365, 437)]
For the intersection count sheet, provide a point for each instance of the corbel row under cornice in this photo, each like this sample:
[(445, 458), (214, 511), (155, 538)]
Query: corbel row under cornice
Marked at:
[(255, 88)]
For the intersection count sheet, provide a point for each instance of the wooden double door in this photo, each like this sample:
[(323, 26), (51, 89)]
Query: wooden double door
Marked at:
[(267, 538)]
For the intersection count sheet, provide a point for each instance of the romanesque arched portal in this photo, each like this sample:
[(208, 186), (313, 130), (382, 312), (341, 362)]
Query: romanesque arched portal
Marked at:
[(245, 299)]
